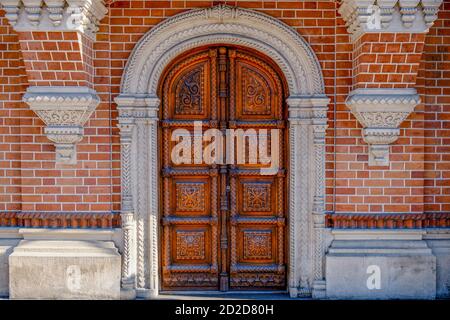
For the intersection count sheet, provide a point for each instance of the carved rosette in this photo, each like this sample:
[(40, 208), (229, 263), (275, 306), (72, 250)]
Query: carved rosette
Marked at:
[(55, 15), (365, 16), (64, 110), (381, 112)]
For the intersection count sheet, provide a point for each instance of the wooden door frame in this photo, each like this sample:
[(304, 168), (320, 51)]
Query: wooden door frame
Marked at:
[(138, 106)]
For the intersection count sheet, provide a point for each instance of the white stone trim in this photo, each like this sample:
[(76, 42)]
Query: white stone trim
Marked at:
[(381, 112), (379, 234), (64, 110), (138, 105), (61, 234)]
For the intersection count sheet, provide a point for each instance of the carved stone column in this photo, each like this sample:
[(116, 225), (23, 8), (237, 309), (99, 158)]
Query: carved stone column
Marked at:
[(319, 133), (143, 188), (306, 166), (127, 213)]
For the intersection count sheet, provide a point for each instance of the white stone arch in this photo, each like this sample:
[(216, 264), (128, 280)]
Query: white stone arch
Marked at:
[(138, 105)]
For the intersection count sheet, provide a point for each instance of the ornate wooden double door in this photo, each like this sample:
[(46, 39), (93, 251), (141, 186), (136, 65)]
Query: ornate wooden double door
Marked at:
[(222, 224)]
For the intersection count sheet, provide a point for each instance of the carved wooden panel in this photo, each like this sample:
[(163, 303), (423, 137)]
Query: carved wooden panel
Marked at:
[(257, 244), (257, 196), (222, 225), (257, 206), (256, 93), (190, 196), (189, 92), (190, 245)]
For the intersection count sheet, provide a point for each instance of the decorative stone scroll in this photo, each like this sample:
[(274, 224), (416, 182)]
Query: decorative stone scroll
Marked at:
[(380, 112), (64, 110), (138, 105), (55, 15), (365, 16)]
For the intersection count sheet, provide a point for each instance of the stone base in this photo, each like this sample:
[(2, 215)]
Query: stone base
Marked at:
[(6, 248), (55, 269), (380, 264), (439, 242)]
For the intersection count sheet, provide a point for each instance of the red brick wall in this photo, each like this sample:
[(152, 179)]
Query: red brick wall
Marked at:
[(12, 80), (94, 183), (57, 58), (436, 96), (387, 60)]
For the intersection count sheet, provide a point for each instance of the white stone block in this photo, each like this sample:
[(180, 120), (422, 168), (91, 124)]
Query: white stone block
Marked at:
[(6, 248), (439, 242), (55, 269), (378, 266)]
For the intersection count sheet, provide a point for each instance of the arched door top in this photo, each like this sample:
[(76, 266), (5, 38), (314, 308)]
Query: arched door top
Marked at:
[(222, 24)]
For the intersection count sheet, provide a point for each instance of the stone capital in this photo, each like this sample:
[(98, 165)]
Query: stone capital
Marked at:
[(381, 112), (311, 108), (64, 110), (405, 16)]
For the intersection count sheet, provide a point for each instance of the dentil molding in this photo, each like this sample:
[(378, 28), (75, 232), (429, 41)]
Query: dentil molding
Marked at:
[(64, 110), (381, 112), (366, 16), (55, 15)]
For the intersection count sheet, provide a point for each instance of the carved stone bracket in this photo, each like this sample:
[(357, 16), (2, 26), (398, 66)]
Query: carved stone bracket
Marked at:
[(55, 15), (381, 112), (365, 16), (64, 110)]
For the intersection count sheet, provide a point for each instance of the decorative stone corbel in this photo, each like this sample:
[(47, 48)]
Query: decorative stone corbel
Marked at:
[(430, 10), (33, 9), (12, 8), (387, 9), (55, 10), (64, 110), (380, 112), (55, 15), (366, 16), (408, 9)]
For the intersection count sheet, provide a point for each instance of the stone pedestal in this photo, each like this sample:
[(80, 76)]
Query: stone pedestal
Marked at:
[(54, 269), (439, 242), (380, 264), (6, 248)]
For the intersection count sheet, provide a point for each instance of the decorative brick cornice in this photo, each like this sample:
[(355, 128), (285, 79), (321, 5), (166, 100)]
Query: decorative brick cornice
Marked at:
[(409, 16), (102, 220), (64, 110), (381, 112), (55, 15), (388, 221)]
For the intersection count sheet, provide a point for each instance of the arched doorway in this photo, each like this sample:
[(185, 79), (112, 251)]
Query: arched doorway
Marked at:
[(223, 222), (138, 106)]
